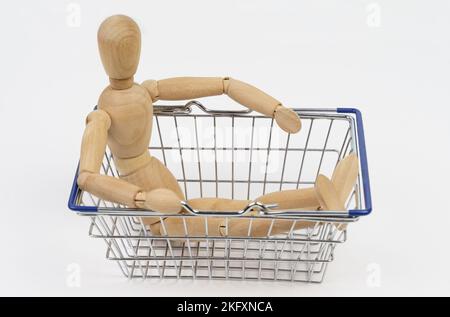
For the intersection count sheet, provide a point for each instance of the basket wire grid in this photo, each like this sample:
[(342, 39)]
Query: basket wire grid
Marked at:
[(239, 155)]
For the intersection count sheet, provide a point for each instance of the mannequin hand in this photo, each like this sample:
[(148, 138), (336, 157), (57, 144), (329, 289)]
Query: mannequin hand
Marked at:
[(287, 119), (160, 199)]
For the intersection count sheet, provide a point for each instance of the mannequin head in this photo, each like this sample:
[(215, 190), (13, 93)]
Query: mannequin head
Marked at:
[(119, 42)]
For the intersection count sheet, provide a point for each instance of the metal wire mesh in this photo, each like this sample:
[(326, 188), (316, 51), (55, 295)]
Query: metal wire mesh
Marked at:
[(232, 155)]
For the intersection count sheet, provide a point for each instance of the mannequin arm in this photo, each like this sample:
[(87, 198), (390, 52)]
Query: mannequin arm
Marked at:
[(111, 188), (182, 88)]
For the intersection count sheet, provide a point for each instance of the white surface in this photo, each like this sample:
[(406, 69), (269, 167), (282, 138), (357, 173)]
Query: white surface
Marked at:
[(307, 53)]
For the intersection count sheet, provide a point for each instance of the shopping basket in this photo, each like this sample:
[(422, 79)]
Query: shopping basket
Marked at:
[(239, 155)]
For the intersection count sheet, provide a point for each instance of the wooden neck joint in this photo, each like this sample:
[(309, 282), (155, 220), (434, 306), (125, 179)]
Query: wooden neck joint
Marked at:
[(121, 84)]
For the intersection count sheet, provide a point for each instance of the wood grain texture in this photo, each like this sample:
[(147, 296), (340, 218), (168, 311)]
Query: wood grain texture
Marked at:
[(109, 188), (154, 175), (304, 198), (298, 199), (121, 84), (131, 114), (196, 226), (182, 88), (154, 227), (152, 88), (287, 119), (345, 176), (94, 140), (161, 200), (128, 166), (327, 194), (301, 199), (250, 96), (119, 42)]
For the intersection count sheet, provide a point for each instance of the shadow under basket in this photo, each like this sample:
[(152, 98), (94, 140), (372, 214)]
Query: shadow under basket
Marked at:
[(239, 155)]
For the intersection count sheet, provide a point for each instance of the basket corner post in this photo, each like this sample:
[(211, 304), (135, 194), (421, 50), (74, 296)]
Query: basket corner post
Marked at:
[(363, 160)]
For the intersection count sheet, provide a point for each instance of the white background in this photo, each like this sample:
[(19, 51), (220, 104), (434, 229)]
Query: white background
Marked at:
[(389, 58)]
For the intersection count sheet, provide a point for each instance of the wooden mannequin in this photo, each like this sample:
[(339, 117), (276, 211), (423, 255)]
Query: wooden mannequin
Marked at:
[(329, 195), (123, 121), (325, 195)]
